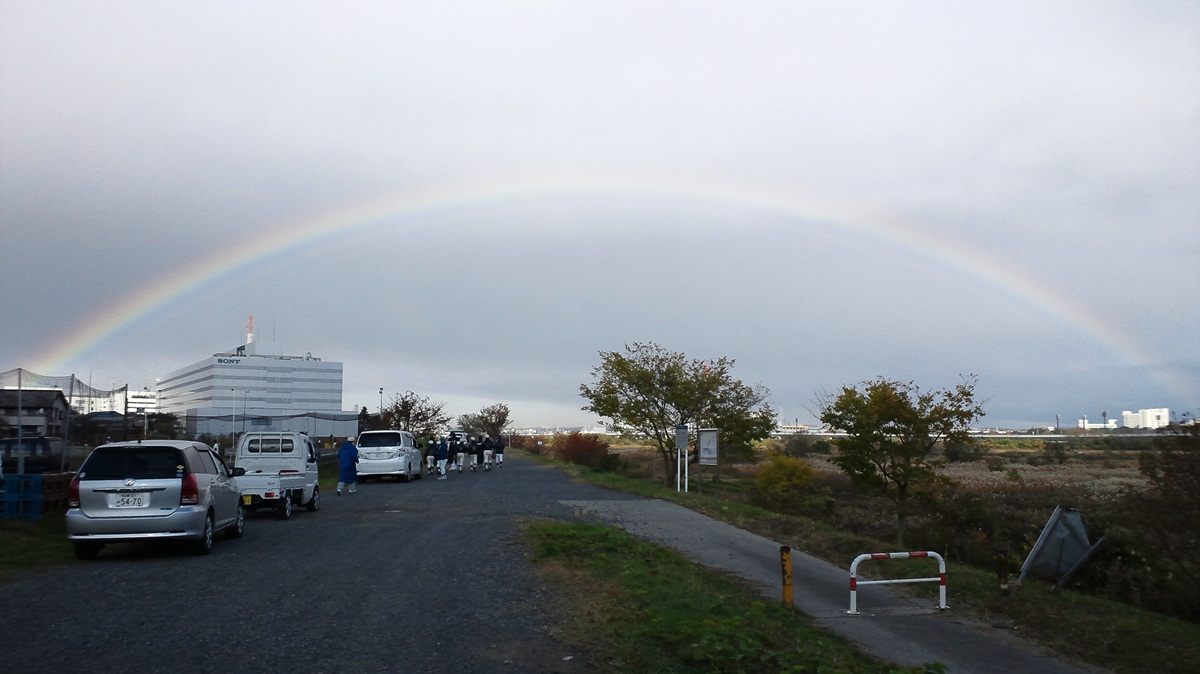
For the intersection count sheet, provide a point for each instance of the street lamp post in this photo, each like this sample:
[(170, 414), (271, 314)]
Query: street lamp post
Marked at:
[(233, 419), (381, 407)]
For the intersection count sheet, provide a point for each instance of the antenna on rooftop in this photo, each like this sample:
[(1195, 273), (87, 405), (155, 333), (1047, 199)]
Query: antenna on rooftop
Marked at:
[(250, 329)]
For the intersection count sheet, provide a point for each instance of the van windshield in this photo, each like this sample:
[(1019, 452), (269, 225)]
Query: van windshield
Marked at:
[(139, 463), (379, 440)]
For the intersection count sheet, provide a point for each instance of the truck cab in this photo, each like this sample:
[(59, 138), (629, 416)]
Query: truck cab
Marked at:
[(281, 471)]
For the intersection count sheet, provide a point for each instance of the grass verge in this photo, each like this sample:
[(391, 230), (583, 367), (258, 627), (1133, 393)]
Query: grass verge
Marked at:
[(1079, 627), (645, 608), (27, 545)]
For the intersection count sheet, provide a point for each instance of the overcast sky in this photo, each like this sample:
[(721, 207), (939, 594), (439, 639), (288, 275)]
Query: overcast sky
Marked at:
[(472, 200)]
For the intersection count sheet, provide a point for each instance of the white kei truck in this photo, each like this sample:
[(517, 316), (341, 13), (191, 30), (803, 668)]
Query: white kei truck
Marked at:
[(281, 471)]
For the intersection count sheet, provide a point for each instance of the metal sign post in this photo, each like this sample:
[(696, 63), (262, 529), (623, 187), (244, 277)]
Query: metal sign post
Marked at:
[(681, 440)]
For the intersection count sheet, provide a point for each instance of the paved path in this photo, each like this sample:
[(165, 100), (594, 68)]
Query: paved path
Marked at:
[(903, 631)]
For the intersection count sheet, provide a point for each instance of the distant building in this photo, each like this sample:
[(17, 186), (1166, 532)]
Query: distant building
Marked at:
[(40, 412), (143, 402), (1152, 418), (243, 390), (1089, 426), (785, 430)]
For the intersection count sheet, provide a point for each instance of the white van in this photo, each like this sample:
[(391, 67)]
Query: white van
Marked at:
[(388, 453)]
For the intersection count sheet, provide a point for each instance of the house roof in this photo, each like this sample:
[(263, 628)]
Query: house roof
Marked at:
[(32, 398)]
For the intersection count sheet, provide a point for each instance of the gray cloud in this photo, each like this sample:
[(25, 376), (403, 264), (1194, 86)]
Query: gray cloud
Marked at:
[(1061, 142)]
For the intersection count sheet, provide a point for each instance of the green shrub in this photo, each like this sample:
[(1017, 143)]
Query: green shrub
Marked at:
[(956, 452), (530, 443), (1056, 452), (770, 446), (788, 484), (586, 450), (798, 446)]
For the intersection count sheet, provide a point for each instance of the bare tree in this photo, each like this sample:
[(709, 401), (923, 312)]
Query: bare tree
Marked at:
[(490, 421), (416, 414)]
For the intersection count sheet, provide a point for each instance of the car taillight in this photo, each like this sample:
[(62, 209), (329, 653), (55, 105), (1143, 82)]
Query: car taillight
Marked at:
[(189, 492), (73, 493)]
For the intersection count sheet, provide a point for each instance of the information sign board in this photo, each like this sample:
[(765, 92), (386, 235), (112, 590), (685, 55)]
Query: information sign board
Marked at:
[(708, 446)]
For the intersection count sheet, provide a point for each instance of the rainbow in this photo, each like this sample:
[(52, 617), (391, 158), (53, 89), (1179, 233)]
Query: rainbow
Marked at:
[(290, 235)]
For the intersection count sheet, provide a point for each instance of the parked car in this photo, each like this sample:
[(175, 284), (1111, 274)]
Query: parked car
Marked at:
[(153, 490), (390, 453), (41, 454)]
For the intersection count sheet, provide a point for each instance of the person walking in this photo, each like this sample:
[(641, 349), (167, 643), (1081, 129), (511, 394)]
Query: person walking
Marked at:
[(460, 452), (489, 452), (477, 453), (499, 447), (442, 452), (347, 466), (431, 455)]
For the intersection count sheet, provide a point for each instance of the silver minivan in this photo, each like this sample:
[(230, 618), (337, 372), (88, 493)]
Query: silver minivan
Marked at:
[(153, 490), (390, 453)]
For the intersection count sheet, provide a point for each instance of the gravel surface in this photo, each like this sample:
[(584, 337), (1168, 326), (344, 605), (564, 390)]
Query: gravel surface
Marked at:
[(427, 576)]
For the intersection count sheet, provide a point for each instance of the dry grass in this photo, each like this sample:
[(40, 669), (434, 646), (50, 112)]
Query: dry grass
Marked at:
[(1096, 477)]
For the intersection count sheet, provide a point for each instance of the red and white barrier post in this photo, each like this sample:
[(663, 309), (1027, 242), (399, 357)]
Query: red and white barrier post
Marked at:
[(854, 582)]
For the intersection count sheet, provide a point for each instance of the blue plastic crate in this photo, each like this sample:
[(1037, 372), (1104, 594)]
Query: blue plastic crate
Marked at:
[(23, 509), (22, 487)]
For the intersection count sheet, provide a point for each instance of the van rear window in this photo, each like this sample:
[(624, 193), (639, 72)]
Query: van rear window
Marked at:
[(139, 463), (379, 440), (271, 446)]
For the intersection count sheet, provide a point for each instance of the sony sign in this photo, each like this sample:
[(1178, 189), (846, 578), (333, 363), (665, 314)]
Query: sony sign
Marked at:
[(228, 361)]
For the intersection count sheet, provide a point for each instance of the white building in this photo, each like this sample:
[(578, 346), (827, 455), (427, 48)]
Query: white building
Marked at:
[(1090, 426), (1151, 418), (244, 390), (143, 402)]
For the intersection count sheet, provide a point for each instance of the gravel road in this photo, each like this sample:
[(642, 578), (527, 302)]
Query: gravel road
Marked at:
[(427, 576)]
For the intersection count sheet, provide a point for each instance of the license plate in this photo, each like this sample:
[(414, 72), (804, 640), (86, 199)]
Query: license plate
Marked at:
[(245, 499), (130, 501)]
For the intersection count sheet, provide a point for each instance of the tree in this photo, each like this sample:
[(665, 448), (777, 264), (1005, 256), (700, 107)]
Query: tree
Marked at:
[(164, 425), (416, 414), (1165, 517), (892, 428), (650, 390), (490, 421)]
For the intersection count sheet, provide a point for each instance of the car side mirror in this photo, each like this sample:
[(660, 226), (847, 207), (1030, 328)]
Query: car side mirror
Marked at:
[(237, 471)]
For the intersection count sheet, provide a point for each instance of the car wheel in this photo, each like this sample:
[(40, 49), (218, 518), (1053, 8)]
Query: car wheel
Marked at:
[(87, 550), (314, 503), (239, 525), (205, 544), (285, 508)]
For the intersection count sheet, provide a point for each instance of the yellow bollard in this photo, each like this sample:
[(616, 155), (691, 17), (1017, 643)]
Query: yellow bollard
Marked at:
[(785, 561)]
